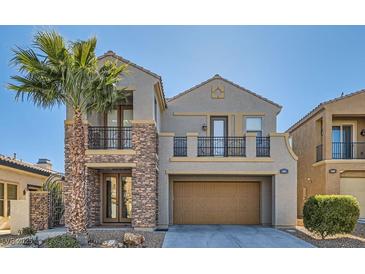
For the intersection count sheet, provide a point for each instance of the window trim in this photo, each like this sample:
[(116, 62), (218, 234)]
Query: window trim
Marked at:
[(5, 200), (254, 131)]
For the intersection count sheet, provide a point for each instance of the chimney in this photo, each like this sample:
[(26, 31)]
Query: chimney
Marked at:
[(44, 163)]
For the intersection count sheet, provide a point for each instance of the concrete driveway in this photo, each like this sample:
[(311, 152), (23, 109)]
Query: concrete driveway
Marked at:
[(217, 236)]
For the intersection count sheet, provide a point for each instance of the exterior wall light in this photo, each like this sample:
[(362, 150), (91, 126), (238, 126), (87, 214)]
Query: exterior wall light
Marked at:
[(204, 127)]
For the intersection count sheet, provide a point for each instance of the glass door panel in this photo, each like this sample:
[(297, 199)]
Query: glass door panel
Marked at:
[(218, 133), (111, 199), (117, 198), (347, 142), (126, 194), (112, 122), (342, 143)]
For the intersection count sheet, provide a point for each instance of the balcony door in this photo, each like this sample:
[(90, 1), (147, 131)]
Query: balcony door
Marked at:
[(115, 120), (342, 142), (117, 198), (218, 133)]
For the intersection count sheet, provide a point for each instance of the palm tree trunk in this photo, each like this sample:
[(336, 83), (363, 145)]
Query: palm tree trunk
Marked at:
[(77, 211)]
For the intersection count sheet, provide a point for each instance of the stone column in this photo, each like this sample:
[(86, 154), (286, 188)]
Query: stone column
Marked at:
[(39, 209), (144, 175)]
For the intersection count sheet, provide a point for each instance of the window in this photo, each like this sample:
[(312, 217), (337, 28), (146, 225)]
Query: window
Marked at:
[(8, 192), (12, 194), (254, 124)]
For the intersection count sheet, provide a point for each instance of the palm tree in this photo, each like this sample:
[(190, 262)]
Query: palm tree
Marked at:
[(54, 72)]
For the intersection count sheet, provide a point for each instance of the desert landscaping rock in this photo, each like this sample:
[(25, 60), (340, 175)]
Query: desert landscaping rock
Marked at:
[(133, 240), (110, 243), (151, 239), (355, 239)]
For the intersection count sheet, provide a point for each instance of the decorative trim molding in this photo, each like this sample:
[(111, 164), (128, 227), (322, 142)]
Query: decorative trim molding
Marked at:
[(217, 172), (166, 134), (218, 113), (339, 161), (110, 152), (110, 165), (143, 122)]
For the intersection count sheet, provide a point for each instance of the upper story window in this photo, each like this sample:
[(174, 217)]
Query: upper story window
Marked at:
[(254, 124)]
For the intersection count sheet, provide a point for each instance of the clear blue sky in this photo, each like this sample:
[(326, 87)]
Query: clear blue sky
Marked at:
[(297, 67)]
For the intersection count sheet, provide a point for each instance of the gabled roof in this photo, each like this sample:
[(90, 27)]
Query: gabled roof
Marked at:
[(218, 77), (320, 107), (29, 167), (111, 53)]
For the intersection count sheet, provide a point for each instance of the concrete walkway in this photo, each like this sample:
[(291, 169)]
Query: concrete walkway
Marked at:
[(49, 233), (221, 236)]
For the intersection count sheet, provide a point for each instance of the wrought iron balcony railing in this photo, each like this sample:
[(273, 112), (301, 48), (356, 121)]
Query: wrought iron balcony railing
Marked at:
[(180, 147), (110, 137), (221, 146), (348, 150), (262, 146), (319, 152)]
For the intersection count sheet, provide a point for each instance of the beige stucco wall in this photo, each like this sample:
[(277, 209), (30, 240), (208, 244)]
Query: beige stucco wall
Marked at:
[(285, 185), (190, 111), (314, 178), (142, 86), (20, 214), (21, 179)]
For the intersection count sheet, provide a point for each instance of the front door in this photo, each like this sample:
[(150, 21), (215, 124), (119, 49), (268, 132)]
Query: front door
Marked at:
[(117, 196), (218, 133)]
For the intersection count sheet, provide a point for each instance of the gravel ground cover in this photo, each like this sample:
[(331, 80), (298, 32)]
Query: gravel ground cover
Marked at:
[(97, 238), (355, 239), (152, 239)]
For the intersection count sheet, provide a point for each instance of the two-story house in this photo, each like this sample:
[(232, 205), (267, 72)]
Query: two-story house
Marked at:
[(209, 155), (330, 144)]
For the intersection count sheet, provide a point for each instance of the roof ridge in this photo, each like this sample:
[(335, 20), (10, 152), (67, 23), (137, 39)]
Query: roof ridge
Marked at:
[(320, 106), (217, 76), (19, 162)]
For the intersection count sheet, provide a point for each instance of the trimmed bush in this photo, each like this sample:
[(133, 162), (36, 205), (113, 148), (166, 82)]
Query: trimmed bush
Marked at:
[(62, 241), (27, 231), (328, 215)]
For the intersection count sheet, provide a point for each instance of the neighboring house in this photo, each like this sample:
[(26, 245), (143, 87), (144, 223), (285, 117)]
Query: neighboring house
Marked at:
[(330, 144), (210, 155), (17, 177)]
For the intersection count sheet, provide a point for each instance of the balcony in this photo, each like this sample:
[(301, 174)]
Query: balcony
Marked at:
[(109, 137), (348, 150), (221, 146), (343, 151)]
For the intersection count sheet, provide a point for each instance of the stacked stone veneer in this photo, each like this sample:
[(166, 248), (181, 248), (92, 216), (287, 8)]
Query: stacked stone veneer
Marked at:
[(39, 209), (144, 177)]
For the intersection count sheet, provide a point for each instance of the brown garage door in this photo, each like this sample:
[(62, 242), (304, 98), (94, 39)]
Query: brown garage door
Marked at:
[(216, 203)]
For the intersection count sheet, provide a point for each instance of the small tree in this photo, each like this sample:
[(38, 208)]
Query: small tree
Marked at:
[(52, 73), (328, 215)]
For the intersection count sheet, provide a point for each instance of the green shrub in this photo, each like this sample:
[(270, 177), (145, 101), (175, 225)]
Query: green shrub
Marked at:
[(62, 241), (27, 231), (331, 214)]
